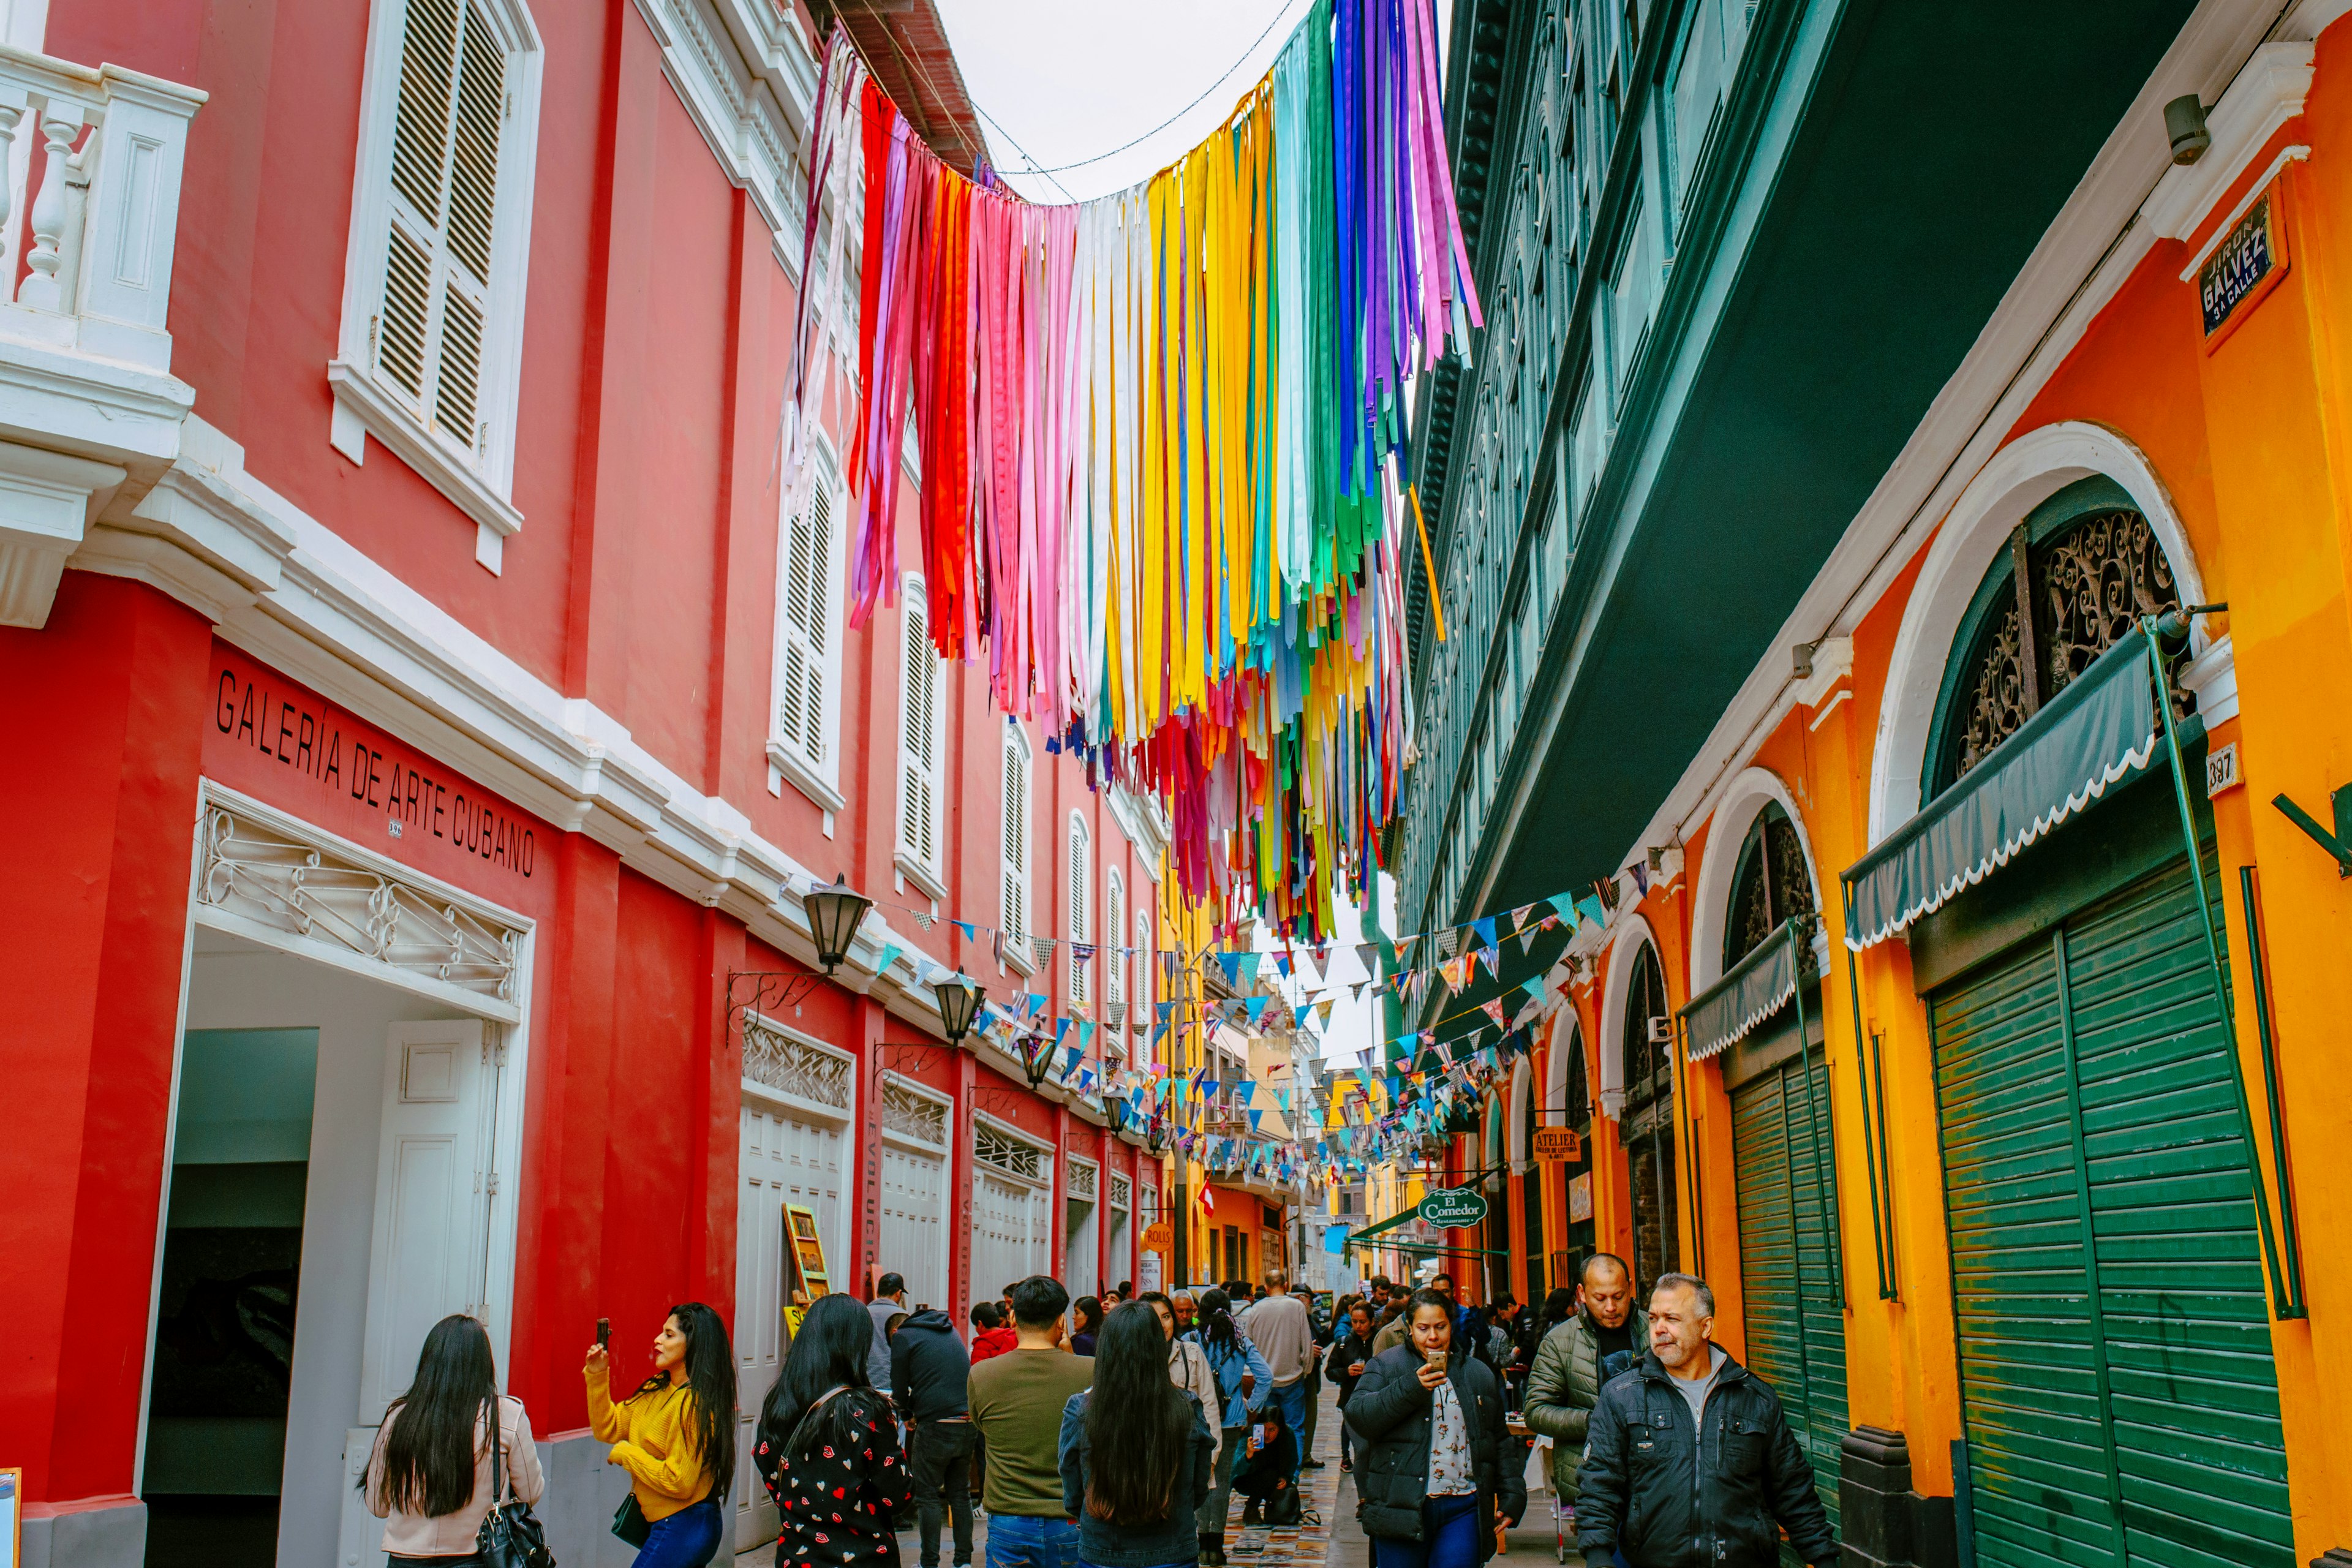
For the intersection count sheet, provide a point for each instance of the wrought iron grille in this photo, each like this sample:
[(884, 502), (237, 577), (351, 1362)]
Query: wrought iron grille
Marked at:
[(794, 1066), (1770, 885), (2082, 589), (1082, 1181), (307, 890), (1120, 1192), (1013, 1156), (910, 1112)]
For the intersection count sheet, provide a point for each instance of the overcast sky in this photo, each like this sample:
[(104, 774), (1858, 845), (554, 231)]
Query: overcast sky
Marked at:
[(1060, 80)]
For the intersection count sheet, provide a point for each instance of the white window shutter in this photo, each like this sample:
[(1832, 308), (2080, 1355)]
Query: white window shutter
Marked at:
[(1079, 876), (1114, 923), (1016, 838), (920, 736), (803, 679), (431, 320)]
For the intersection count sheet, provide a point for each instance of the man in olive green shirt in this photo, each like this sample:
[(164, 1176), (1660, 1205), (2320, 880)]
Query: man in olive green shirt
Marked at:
[(1016, 1401)]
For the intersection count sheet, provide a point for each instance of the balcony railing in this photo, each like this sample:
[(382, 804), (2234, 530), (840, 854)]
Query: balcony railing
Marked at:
[(89, 207)]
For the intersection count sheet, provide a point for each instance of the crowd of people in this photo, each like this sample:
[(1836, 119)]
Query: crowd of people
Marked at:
[(1114, 1431)]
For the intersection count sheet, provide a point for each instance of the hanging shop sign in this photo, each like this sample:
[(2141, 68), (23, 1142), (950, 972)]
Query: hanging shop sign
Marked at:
[(1159, 1237), (1556, 1143), (2246, 265), (1454, 1208)]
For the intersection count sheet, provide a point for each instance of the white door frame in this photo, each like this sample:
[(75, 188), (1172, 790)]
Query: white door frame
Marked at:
[(507, 1021)]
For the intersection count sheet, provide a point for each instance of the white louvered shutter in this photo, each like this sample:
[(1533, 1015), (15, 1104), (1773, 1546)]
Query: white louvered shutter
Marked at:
[(1113, 965), (918, 795), (1081, 858), (804, 677), (430, 326), (1016, 841), (1146, 961)]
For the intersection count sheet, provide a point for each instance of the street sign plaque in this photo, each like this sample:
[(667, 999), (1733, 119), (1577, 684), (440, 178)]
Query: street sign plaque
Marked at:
[(1454, 1208), (1556, 1143)]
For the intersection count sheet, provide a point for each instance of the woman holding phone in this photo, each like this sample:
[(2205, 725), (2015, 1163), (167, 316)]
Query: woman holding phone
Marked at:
[(676, 1437), (430, 1478), (1435, 1471)]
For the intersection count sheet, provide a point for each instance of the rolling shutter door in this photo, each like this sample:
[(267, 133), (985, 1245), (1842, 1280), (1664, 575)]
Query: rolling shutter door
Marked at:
[(2117, 1379), (1794, 1306)]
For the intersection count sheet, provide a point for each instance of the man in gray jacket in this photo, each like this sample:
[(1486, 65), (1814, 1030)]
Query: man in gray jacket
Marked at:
[(1566, 1380)]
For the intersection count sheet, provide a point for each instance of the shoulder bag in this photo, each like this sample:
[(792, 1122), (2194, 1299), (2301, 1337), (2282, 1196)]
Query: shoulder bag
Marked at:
[(511, 1536)]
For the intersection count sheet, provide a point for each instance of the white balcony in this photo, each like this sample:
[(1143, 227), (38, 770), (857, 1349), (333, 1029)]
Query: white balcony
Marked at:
[(88, 208)]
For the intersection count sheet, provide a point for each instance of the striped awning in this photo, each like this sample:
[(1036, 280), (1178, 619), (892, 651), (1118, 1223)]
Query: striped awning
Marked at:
[(1751, 991), (2098, 731)]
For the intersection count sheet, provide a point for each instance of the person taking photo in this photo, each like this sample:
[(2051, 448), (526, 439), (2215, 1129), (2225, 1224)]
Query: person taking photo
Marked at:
[(827, 1447), (1135, 1452), (1243, 1383), (674, 1437), (430, 1479), (1437, 1471)]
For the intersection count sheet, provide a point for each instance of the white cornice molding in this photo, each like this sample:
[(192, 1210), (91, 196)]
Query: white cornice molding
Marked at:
[(2091, 249), (747, 82), (2267, 94)]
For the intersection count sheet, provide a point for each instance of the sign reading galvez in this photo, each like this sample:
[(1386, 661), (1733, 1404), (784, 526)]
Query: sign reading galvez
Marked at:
[(2238, 265), (1454, 1208)]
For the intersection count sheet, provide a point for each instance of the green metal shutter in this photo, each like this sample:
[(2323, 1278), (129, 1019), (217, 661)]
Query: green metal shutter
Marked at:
[(1794, 1307), (2116, 1381)]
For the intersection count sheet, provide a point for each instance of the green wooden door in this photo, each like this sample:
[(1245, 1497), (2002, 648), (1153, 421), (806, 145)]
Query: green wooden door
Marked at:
[(1793, 1304), (2114, 1357)]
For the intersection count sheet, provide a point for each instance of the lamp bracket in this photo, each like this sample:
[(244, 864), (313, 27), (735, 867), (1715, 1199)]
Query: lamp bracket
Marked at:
[(768, 990)]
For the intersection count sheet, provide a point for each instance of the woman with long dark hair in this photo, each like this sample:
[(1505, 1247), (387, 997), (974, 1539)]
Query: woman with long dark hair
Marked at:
[(1087, 1314), (828, 1447), (674, 1435), (1244, 1381), (1136, 1455), (429, 1477)]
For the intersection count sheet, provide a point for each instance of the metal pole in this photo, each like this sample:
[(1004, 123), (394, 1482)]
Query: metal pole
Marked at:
[(1869, 1147), (2222, 1011), (2258, 964), (1815, 1116)]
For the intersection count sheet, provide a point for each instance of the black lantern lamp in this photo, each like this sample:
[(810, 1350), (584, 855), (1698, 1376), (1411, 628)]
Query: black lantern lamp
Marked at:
[(1036, 1058), (835, 913), (959, 1000), (1155, 1135)]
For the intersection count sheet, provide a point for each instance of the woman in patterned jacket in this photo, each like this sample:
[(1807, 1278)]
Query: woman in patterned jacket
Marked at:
[(828, 1447)]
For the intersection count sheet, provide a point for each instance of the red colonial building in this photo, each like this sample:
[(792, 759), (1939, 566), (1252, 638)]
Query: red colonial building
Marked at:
[(425, 715)]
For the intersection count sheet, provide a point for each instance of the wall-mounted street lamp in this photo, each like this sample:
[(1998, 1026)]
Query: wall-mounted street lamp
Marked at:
[(834, 912), (959, 1000)]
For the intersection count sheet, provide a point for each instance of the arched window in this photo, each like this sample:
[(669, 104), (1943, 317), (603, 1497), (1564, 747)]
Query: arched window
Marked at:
[(1770, 885), (1082, 871), (922, 733), (1649, 1118), (1147, 963), (2079, 573)]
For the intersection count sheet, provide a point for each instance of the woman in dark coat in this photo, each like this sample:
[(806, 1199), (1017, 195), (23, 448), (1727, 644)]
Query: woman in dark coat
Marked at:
[(1436, 1469), (1350, 1353)]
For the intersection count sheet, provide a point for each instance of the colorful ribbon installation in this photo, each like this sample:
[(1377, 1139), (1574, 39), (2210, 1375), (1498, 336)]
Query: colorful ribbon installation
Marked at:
[(1161, 440)]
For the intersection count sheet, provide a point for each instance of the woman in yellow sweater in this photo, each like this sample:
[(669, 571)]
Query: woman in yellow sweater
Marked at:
[(676, 1437)]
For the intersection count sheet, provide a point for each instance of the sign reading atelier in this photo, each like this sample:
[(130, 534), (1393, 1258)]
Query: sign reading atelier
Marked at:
[(2240, 264), (1454, 1208), (1556, 1143)]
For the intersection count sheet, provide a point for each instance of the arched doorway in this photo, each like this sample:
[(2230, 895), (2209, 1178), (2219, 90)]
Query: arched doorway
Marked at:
[(2110, 1334), (1648, 1119)]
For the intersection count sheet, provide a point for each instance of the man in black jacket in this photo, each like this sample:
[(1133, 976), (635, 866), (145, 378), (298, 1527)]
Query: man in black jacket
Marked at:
[(930, 1370), (1688, 1462)]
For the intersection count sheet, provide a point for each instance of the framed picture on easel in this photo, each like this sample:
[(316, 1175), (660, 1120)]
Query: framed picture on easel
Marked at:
[(805, 1276)]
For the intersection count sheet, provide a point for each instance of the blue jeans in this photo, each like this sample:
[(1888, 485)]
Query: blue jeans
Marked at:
[(1449, 1537), (686, 1538), (1032, 1541), (1292, 1397)]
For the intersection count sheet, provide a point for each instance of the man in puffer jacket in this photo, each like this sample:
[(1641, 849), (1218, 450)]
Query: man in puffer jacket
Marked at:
[(1688, 1461), (1565, 1381)]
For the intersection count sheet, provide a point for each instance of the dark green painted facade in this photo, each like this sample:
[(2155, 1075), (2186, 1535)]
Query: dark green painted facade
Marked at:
[(1730, 255)]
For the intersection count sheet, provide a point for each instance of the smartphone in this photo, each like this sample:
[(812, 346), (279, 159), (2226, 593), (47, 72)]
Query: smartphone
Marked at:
[(603, 1333)]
